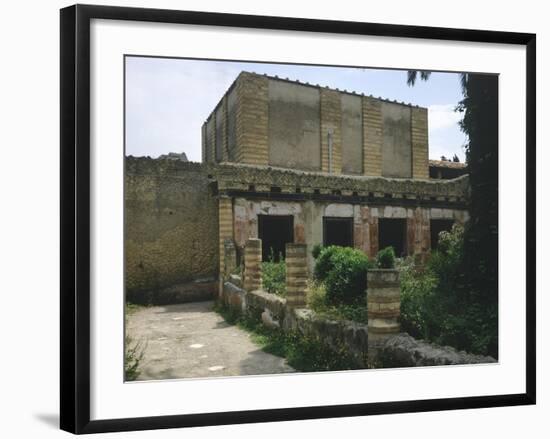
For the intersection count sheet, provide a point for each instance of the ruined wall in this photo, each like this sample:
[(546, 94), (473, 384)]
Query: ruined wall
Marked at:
[(308, 222), (294, 126), (171, 224)]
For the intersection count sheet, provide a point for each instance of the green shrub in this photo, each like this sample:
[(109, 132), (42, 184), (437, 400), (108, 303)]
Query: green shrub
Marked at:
[(316, 251), (437, 304), (323, 263), (346, 281), (385, 258), (317, 301), (274, 277)]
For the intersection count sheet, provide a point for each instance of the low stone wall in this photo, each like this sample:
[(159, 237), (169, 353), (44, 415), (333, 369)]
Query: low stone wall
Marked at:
[(256, 302), (272, 309), (402, 350), (339, 335)]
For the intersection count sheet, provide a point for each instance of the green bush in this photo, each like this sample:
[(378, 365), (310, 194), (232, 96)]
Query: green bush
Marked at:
[(317, 301), (346, 281), (437, 304), (316, 251), (385, 258), (274, 277), (323, 263)]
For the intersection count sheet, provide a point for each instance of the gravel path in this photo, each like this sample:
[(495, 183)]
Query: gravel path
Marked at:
[(191, 340)]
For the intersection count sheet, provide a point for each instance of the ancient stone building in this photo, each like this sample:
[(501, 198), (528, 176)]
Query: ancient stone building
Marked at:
[(308, 164), (286, 161)]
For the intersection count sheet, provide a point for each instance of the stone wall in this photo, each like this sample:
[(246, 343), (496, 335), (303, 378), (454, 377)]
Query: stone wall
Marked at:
[(171, 227), (404, 351), (267, 120), (294, 126), (274, 313), (396, 140)]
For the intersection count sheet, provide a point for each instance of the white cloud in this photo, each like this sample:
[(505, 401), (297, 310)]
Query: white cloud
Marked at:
[(442, 117)]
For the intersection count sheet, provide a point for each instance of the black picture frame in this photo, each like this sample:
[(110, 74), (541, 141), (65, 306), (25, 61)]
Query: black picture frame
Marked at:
[(75, 217)]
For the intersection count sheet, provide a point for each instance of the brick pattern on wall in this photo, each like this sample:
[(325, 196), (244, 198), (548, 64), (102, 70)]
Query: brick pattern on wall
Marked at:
[(211, 138), (252, 119), (170, 224), (225, 149), (203, 143), (419, 138), (372, 136), (225, 221), (331, 119)]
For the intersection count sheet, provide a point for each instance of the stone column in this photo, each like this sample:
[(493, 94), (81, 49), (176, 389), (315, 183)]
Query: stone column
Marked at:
[(225, 224), (383, 305), (296, 275), (253, 265), (230, 253)]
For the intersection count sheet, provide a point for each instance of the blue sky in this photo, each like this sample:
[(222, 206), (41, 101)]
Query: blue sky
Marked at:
[(167, 100)]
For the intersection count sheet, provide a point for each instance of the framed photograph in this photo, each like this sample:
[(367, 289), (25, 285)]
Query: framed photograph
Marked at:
[(275, 218)]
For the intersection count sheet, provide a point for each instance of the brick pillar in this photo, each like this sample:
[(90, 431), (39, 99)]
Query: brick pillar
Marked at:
[(372, 136), (419, 140), (253, 265), (252, 119), (296, 275), (331, 125), (383, 309), (225, 229)]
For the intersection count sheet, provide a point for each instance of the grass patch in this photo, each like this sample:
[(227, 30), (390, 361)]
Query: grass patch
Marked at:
[(303, 353)]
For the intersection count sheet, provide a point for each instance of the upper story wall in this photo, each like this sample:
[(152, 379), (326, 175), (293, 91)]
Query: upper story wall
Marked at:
[(270, 121)]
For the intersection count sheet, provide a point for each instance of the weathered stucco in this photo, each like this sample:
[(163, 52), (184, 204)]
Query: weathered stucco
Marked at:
[(171, 224), (352, 134), (396, 141), (294, 126)]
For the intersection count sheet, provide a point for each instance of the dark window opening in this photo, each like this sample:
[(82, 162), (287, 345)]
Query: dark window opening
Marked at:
[(436, 227), (338, 231), (392, 232), (275, 231)]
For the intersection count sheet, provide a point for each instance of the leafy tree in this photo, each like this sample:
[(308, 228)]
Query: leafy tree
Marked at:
[(478, 281)]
